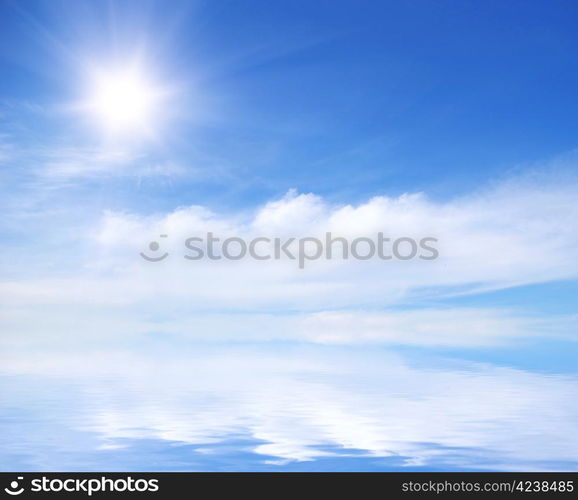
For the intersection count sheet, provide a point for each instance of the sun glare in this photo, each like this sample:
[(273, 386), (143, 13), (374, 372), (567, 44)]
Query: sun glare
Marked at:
[(124, 101)]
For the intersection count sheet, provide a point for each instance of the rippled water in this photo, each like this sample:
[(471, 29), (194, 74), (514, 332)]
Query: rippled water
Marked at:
[(285, 407)]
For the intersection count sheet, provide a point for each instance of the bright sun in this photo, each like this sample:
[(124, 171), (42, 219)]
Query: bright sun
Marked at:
[(123, 101)]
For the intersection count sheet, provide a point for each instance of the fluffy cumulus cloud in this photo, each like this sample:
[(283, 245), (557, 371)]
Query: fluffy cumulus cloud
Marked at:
[(518, 232)]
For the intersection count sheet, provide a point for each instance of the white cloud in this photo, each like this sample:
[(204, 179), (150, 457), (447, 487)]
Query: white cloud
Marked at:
[(515, 233), (511, 235), (81, 163), (75, 324), (75, 162), (454, 327), (62, 164)]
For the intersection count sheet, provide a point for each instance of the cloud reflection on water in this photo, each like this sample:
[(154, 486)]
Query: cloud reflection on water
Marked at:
[(290, 405)]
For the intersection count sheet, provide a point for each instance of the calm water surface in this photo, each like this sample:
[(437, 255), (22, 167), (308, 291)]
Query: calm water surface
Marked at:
[(281, 408)]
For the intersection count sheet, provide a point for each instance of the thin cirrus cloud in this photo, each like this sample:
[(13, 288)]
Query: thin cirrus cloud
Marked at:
[(74, 165), (77, 326)]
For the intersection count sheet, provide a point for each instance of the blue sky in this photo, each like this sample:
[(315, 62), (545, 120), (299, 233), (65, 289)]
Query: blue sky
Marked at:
[(451, 119), (343, 101)]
